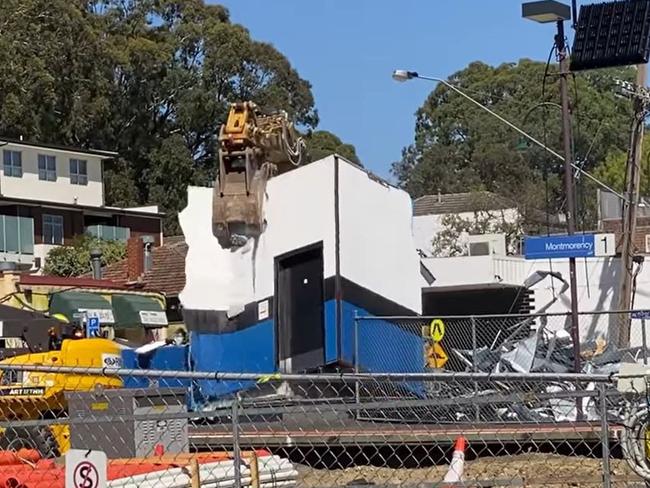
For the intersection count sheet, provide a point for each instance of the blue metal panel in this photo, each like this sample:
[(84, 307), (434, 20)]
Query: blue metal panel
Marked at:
[(251, 350), (130, 361), (172, 358), (347, 330), (384, 347), (331, 333)]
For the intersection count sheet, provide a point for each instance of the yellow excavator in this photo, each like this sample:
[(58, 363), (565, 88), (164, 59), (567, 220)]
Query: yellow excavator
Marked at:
[(32, 395), (253, 147)]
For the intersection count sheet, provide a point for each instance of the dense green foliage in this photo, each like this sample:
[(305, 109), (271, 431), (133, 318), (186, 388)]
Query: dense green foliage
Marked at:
[(74, 260), (459, 147), (612, 171), (321, 143), (151, 79)]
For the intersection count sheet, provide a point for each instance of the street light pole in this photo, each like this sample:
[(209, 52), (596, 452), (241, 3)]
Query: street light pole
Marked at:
[(547, 11), (568, 185)]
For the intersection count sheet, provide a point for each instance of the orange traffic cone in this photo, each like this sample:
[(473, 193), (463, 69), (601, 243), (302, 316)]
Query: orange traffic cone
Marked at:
[(455, 472)]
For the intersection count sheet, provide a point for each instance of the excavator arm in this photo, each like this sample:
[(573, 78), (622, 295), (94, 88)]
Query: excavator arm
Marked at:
[(253, 147)]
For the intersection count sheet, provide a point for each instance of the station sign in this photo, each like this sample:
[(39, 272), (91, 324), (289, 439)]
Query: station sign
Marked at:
[(565, 246)]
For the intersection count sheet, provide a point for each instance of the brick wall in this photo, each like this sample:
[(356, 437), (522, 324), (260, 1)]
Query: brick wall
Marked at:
[(642, 230), (142, 226), (134, 258)]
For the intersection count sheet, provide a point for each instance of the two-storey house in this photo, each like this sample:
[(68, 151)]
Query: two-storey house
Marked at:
[(50, 194)]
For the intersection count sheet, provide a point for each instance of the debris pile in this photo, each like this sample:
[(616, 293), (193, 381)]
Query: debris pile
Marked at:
[(527, 345)]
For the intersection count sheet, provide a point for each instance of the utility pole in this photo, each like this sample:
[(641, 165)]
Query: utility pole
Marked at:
[(630, 204), (568, 185)]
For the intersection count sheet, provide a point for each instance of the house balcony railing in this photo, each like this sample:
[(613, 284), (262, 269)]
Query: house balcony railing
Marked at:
[(109, 232)]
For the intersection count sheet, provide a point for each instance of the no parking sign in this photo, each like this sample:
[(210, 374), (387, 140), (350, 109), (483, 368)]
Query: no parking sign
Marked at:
[(85, 469)]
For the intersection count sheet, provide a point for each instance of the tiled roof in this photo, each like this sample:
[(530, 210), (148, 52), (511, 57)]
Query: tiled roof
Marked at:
[(167, 274), (452, 203)]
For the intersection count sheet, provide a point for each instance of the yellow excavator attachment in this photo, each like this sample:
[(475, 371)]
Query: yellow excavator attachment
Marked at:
[(252, 148)]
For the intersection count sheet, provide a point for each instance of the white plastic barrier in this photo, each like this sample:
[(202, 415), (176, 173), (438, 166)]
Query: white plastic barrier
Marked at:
[(273, 471)]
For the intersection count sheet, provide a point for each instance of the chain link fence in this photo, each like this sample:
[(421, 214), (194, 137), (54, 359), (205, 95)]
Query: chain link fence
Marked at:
[(504, 409), (323, 430), (525, 343)]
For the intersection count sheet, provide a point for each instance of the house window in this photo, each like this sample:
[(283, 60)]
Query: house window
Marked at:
[(46, 167), (13, 163), (78, 172), (52, 229)]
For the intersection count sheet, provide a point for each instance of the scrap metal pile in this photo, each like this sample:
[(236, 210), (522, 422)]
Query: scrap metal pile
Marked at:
[(543, 351), (530, 347), (546, 351)]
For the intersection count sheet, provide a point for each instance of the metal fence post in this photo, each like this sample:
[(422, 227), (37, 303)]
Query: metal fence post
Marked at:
[(357, 393), (604, 435), (474, 345), (236, 452), (645, 343), (474, 365)]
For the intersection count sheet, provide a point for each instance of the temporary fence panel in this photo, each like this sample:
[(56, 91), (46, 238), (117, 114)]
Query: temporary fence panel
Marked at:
[(326, 430)]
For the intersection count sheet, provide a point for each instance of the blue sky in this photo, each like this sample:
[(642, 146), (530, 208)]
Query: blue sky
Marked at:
[(347, 49)]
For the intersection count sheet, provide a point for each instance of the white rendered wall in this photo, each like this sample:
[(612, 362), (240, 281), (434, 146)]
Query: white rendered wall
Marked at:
[(377, 250), (299, 211), (377, 247), (461, 270), (60, 191)]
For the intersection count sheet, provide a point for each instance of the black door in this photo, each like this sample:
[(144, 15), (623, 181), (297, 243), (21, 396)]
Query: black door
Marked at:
[(299, 312)]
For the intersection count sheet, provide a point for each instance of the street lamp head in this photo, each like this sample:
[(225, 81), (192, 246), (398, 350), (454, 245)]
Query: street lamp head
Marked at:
[(545, 11), (403, 75)]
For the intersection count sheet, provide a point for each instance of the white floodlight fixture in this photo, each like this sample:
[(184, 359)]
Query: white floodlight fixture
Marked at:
[(545, 11)]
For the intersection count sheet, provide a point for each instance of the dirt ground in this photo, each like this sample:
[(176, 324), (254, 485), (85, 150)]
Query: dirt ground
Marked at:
[(529, 470)]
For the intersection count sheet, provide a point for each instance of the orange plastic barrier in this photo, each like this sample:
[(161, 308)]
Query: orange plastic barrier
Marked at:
[(122, 468), (19, 457), (45, 473)]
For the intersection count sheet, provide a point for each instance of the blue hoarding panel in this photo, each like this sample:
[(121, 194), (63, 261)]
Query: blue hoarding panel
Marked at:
[(576, 246)]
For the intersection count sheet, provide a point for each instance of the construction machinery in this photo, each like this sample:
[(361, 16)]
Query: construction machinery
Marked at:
[(33, 395), (253, 147)]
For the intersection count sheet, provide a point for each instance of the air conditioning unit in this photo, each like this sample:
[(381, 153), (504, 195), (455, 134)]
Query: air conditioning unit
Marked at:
[(487, 244)]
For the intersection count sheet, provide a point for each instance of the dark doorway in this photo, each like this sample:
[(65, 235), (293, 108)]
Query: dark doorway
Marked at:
[(299, 309)]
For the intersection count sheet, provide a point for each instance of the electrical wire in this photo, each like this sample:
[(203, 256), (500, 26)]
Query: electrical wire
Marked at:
[(521, 289), (578, 183), (546, 161)]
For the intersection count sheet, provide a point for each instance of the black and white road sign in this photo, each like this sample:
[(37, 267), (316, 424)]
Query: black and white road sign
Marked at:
[(85, 469)]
